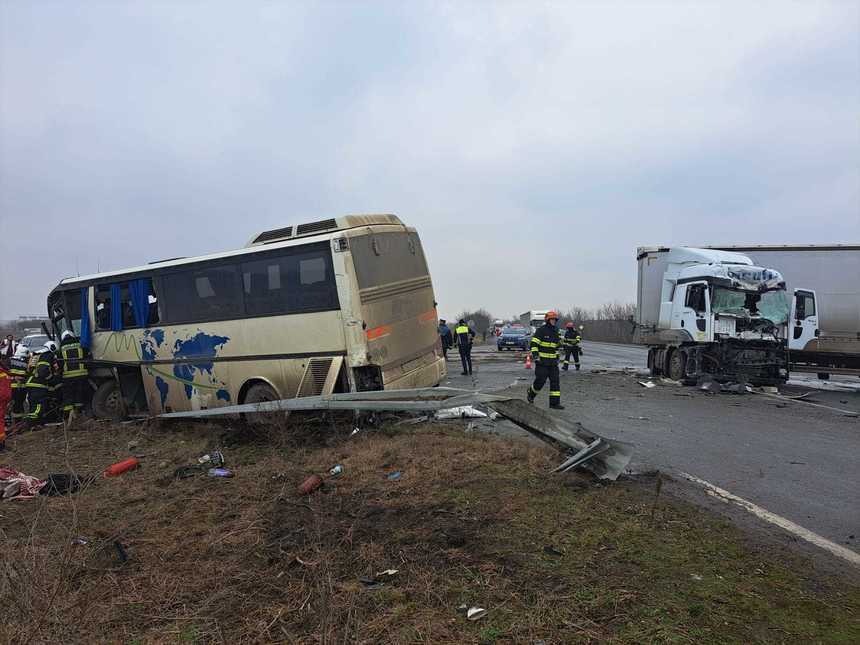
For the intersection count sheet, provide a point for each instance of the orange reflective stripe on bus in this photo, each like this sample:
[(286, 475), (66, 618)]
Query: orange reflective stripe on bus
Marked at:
[(428, 316), (378, 332)]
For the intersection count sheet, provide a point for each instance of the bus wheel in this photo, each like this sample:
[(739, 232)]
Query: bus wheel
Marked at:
[(823, 376), (107, 402), (259, 393)]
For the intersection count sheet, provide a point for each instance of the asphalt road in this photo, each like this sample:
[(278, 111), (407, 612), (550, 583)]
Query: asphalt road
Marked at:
[(795, 460)]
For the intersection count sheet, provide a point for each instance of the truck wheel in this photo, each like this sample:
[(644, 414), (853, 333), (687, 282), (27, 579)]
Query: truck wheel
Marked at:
[(823, 376), (677, 365), (258, 393), (652, 363), (107, 402)]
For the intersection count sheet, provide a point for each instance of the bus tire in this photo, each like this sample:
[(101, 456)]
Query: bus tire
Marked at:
[(259, 393), (823, 376), (107, 401)]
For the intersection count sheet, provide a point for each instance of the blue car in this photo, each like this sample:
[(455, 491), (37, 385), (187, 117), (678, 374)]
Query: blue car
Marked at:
[(517, 338)]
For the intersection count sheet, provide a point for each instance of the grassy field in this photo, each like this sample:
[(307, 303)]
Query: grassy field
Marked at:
[(473, 520)]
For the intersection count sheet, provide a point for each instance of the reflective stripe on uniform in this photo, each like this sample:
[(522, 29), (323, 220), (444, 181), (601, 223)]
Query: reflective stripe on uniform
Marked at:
[(554, 393), (545, 355)]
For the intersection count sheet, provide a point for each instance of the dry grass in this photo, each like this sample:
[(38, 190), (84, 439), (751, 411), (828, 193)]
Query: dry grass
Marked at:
[(249, 560)]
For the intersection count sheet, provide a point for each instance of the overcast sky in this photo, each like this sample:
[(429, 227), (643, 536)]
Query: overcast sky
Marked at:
[(534, 146)]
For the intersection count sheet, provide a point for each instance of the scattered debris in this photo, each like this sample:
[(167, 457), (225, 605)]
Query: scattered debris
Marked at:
[(606, 458), (476, 613), (80, 541), (639, 418), (461, 412), (696, 576), (335, 471), (710, 387), (551, 550), (647, 384), (219, 472), (213, 459), (393, 476), (669, 381), (184, 472), (770, 389), (120, 551), (387, 572), (799, 399), (17, 485), (310, 485), (798, 463), (121, 467), (61, 484)]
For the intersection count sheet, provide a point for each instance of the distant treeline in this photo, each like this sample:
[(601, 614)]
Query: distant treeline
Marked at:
[(609, 323), (17, 327)]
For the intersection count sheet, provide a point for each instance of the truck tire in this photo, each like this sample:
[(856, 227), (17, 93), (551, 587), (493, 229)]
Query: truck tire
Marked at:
[(676, 365), (823, 376), (652, 361), (107, 402), (258, 393)]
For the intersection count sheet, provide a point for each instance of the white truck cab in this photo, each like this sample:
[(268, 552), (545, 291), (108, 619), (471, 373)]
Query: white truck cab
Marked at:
[(706, 311)]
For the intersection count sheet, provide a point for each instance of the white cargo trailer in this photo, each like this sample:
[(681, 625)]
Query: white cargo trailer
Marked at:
[(824, 284)]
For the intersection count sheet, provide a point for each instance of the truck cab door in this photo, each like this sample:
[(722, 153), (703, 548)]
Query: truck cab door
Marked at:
[(691, 311), (803, 323)]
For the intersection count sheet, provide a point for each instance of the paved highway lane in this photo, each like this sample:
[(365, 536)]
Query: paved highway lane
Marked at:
[(800, 462)]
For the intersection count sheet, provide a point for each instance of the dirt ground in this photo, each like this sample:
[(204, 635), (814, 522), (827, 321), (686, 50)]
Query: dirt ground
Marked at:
[(474, 519)]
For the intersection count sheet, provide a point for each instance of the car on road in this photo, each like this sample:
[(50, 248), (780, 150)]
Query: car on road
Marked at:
[(517, 338), (34, 342)]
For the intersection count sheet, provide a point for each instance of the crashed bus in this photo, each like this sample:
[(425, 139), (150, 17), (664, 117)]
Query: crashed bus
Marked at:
[(337, 305)]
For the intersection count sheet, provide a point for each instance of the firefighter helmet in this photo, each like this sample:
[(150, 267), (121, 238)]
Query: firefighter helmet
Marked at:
[(66, 334), (550, 314), (569, 325), (51, 346)]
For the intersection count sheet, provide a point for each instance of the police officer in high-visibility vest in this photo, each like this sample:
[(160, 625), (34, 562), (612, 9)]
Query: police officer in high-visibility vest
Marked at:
[(74, 368), (41, 385), (19, 371), (545, 346), (463, 335), (571, 343)]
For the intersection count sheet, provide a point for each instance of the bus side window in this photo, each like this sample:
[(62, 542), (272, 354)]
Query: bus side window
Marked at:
[(315, 288), (103, 307)]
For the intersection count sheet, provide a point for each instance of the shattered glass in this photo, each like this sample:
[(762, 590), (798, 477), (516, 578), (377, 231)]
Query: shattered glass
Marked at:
[(728, 301), (774, 306), (771, 305)]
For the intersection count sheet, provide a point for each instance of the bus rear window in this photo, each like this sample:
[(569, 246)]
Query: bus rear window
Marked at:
[(383, 258)]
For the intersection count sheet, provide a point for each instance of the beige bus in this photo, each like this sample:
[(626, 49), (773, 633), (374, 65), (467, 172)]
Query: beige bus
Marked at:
[(337, 305)]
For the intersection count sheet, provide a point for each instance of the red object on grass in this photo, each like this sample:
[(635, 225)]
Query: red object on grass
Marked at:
[(121, 467), (310, 485)]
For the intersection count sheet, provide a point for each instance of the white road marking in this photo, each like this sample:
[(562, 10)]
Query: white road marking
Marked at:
[(723, 495)]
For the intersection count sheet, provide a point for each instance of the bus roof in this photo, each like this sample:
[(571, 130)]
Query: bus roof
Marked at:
[(254, 246)]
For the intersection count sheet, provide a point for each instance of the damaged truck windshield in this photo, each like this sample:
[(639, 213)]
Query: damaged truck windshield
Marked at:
[(337, 305), (770, 305)]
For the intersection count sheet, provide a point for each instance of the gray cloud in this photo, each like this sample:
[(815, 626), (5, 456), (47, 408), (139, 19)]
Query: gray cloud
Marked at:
[(534, 146)]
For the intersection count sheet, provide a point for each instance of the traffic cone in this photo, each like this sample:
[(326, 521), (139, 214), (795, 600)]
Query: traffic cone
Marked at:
[(528, 361)]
